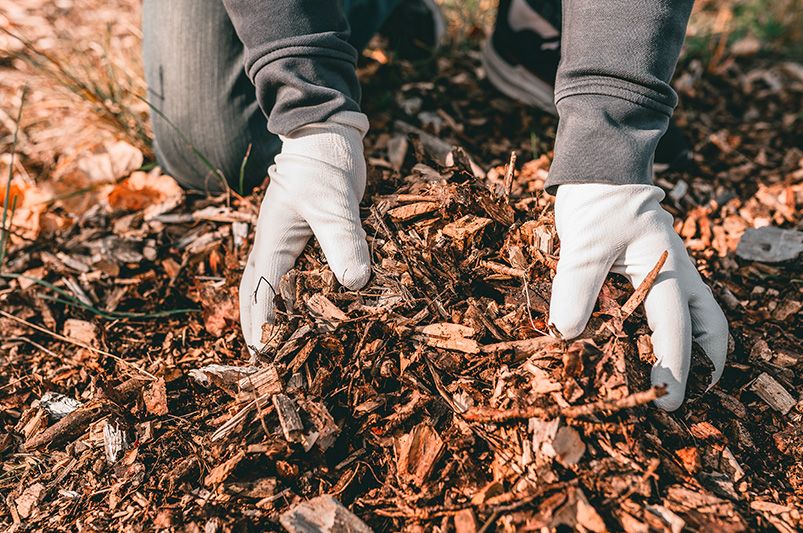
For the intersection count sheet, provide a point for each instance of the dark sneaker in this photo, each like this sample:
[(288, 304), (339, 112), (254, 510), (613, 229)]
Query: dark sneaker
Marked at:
[(521, 60), (414, 29), (521, 57)]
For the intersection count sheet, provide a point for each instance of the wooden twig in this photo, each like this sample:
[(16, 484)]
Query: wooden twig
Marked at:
[(641, 292), (76, 422), (486, 414), (504, 270), (511, 168)]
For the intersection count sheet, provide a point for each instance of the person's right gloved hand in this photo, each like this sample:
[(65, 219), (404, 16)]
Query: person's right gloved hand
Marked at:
[(624, 229), (316, 184)]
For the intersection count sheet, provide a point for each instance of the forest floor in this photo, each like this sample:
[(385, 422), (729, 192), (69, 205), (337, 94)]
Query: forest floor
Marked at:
[(433, 399)]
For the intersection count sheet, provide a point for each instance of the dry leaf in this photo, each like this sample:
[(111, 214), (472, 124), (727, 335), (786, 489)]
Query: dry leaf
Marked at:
[(110, 162), (29, 208), (153, 193)]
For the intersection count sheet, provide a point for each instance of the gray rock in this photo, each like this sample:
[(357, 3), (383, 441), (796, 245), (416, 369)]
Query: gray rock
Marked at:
[(770, 245)]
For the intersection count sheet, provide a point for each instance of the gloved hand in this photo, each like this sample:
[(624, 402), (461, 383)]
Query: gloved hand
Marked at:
[(316, 184), (623, 229)]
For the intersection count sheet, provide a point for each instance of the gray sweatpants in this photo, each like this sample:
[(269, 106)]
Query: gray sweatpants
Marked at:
[(612, 90)]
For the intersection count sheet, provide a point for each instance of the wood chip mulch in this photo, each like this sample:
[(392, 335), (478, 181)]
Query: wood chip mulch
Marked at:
[(434, 398)]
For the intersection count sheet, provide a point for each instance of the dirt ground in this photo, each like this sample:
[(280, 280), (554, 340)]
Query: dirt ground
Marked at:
[(431, 400)]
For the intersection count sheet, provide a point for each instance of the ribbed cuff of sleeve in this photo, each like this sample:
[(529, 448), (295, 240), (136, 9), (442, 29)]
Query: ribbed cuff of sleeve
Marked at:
[(608, 132), (305, 80)]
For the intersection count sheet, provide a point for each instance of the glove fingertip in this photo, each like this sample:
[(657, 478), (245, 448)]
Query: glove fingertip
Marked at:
[(718, 360), (670, 402), (675, 388), (244, 291), (566, 313), (711, 332), (356, 277), (570, 328)]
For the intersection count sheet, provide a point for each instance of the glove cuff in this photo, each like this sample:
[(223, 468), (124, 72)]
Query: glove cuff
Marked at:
[(351, 119), (354, 119)]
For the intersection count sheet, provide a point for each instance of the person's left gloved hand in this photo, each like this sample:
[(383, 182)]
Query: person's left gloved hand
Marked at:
[(316, 185), (624, 229)]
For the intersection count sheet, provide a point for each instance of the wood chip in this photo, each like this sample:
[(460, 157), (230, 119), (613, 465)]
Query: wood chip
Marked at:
[(116, 439), (784, 518), (410, 211), (417, 453), (569, 447), (221, 472), (264, 381), (328, 314), (465, 228), (675, 523), (221, 375), (451, 337), (261, 488), (82, 331), (578, 514), (323, 514), (326, 430), (29, 499), (155, 397), (772, 392), (288, 417), (465, 521)]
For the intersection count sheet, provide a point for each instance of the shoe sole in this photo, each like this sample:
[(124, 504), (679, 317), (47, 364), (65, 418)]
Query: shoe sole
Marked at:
[(517, 82)]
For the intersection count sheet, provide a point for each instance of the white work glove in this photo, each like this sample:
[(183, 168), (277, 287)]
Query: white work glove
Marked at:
[(316, 184), (623, 229)]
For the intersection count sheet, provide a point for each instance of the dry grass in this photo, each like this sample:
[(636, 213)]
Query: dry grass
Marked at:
[(81, 63)]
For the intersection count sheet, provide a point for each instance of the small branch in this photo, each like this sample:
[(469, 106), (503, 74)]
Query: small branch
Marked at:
[(503, 270), (486, 414), (641, 292), (76, 422), (511, 168)]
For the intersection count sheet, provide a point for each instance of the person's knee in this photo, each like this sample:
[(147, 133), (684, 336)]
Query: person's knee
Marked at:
[(208, 150), (203, 107)]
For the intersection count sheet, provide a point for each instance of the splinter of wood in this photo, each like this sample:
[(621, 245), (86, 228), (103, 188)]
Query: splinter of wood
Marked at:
[(511, 168), (641, 292)]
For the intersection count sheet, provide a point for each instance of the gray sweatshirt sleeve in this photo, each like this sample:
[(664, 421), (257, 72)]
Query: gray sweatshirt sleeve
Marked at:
[(298, 57), (612, 90)]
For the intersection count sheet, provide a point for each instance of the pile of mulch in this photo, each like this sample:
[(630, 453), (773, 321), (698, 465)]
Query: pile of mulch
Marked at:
[(435, 397)]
